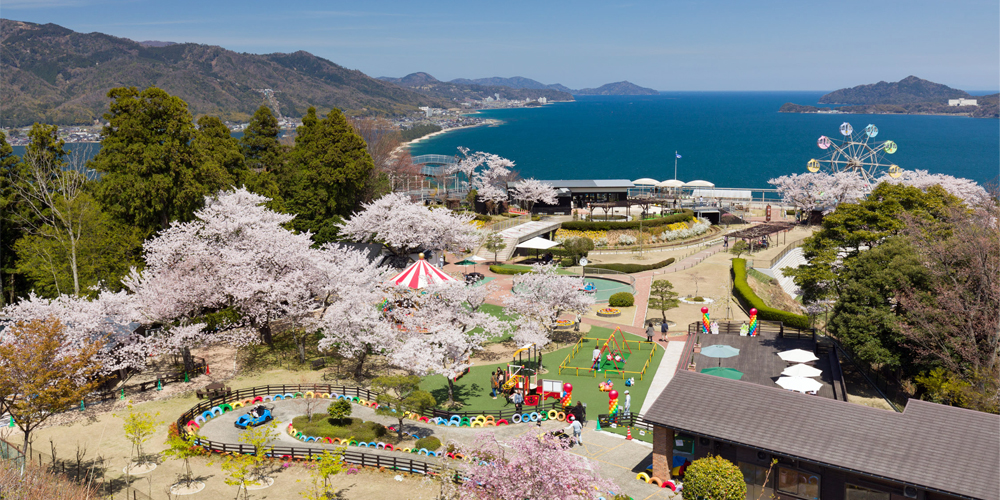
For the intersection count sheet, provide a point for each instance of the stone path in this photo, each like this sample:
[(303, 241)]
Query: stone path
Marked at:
[(664, 373), (620, 460)]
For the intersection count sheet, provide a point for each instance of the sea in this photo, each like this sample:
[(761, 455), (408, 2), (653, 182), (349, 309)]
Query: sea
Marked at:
[(732, 139)]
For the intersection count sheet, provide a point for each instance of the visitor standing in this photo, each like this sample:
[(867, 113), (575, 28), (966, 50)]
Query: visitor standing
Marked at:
[(715, 327), (744, 329), (628, 404), (441, 261), (725, 241), (596, 358), (576, 327), (494, 379), (649, 332), (518, 401), (664, 327)]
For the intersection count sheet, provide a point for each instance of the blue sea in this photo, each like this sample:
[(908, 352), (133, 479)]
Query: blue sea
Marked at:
[(733, 139)]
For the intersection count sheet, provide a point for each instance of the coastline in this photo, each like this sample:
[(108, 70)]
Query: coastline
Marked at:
[(406, 145)]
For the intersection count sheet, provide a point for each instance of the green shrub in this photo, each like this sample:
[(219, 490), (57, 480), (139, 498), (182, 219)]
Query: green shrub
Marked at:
[(510, 270), (749, 299), (716, 478), (430, 442), (698, 299), (608, 226), (567, 262), (621, 299), (339, 410), (633, 268)]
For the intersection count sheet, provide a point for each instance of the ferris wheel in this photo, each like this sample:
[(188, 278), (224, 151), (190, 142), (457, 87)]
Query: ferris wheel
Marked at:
[(856, 152)]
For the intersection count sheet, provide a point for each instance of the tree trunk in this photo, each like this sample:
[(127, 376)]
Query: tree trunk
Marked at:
[(451, 391), (188, 359), (301, 341), (72, 263), (359, 369), (399, 429), (265, 334)]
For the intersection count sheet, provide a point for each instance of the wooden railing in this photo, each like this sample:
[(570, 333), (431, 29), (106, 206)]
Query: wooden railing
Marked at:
[(181, 376), (776, 327)]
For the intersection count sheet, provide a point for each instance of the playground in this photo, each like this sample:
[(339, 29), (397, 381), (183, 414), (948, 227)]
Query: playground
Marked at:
[(618, 356), (472, 390)]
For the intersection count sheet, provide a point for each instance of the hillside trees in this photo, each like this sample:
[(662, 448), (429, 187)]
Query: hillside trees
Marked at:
[(328, 172), (264, 156), (150, 169), (10, 230), (538, 299)]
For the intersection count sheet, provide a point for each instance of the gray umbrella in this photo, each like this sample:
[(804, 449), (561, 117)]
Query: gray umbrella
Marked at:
[(720, 351)]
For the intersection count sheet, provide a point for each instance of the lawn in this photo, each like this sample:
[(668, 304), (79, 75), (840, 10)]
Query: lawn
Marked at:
[(473, 389), (353, 428), (517, 267)]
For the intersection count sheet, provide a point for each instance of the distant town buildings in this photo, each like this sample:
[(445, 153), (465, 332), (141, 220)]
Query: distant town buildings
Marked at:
[(962, 102)]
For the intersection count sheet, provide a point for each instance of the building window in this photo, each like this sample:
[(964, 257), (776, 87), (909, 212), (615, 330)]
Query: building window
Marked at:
[(798, 483), (756, 476), (855, 492)]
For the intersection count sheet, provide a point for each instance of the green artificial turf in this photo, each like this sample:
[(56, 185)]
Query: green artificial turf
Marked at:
[(354, 428), (473, 389)]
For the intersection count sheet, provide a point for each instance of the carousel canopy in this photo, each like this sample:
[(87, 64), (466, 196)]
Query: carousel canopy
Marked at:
[(420, 274), (645, 181), (699, 184), (671, 183)]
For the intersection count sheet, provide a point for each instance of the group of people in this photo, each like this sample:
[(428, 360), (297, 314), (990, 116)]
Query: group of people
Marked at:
[(497, 380), (650, 331)]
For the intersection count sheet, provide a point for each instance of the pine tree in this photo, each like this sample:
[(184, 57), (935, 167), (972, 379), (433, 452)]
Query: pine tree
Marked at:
[(326, 175)]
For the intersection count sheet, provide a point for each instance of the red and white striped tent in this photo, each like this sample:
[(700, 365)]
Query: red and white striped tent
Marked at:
[(420, 274)]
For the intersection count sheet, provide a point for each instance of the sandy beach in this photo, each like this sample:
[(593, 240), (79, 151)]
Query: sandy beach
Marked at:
[(439, 132)]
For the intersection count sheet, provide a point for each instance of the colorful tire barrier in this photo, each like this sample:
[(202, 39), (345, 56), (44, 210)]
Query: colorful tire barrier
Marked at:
[(503, 421), (561, 417), (526, 417), (516, 418), (642, 476), (553, 414), (657, 481), (257, 399), (265, 399), (216, 409), (238, 404), (289, 395), (226, 407)]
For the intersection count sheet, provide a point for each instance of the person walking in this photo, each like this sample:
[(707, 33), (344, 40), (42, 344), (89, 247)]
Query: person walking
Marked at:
[(577, 429), (664, 327), (649, 332), (725, 241), (596, 357)]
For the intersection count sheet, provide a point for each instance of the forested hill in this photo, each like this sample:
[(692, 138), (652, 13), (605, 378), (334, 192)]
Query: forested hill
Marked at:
[(909, 90), (53, 74), (428, 85), (618, 88)]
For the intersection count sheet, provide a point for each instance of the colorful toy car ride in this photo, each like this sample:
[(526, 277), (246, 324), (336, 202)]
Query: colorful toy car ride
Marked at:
[(259, 415)]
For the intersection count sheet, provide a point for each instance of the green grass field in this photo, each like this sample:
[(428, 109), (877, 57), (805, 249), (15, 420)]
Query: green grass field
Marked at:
[(473, 389)]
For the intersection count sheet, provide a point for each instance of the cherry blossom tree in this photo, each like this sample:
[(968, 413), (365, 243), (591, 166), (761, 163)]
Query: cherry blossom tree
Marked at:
[(531, 191), (529, 467), (820, 190), (358, 325), (538, 299), (404, 226), (965, 189), (486, 173), (450, 326)]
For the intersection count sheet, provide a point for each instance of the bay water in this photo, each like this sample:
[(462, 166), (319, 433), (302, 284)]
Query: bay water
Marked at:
[(733, 139)]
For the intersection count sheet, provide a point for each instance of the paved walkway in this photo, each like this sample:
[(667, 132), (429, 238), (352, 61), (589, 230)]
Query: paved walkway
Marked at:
[(664, 373), (620, 460)]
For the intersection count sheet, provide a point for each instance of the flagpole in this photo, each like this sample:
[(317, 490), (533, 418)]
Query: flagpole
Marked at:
[(675, 165)]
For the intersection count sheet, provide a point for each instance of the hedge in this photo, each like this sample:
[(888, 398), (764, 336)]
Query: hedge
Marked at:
[(509, 270), (621, 299), (430, 442), (609, 226), (632, 268), (749, 299)]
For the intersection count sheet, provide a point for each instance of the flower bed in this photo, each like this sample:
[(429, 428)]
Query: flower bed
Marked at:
[(609, 312)]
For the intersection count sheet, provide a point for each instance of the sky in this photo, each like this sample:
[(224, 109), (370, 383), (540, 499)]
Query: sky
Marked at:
[(666, 45)]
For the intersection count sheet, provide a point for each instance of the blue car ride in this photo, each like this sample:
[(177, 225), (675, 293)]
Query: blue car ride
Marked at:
[(259, 415)]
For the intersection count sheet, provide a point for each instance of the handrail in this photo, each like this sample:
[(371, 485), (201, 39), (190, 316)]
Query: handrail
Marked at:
[(772, 262), (496, 227), (596, 271)]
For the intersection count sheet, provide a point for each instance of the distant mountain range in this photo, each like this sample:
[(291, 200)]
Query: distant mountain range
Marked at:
[(910, 95), (52, 74), (520, 82), (432, 87)]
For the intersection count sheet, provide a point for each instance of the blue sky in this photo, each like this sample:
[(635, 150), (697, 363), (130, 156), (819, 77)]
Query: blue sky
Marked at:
[(666, 45)]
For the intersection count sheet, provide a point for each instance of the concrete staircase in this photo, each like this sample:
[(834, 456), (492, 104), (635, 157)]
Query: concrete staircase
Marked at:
[(794, 258)]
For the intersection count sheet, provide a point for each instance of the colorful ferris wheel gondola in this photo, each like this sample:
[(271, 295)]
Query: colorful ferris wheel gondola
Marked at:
[(857, 153)]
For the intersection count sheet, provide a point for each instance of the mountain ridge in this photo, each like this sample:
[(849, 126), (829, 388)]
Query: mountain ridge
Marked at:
[(52, 74), (426, 84), (909, 90)]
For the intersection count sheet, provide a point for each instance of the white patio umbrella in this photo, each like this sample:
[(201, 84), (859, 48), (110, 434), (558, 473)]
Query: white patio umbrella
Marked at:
[(645, 181), (797, 356), (699, 184), (799, 384), (671, 183), (801, 370)]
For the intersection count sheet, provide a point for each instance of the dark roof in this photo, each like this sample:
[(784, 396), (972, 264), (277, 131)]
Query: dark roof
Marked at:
[(936, 447), (589, 183)]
